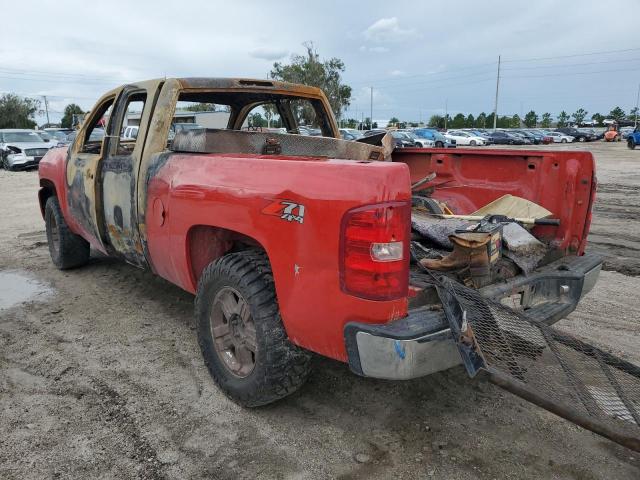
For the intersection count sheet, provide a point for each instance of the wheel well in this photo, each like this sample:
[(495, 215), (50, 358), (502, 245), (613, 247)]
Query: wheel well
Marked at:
[(47, 189), (206, 243)]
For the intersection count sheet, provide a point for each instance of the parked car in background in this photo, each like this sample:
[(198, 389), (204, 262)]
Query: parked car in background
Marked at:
[(500, 137), (97, 134), (401, 139), (525, 139), (533, 138), (559, 137), (633, 139), (417, 141), (465, 138), (350, 134), (625, 132), (578, 135), (131, 132), (22, 149), (47, 137), (440, 141)]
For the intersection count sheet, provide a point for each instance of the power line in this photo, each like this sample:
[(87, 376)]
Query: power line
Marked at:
[(604, 52), (635, 69)]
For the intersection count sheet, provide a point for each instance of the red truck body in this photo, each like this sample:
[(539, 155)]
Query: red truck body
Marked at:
[(177, 212)]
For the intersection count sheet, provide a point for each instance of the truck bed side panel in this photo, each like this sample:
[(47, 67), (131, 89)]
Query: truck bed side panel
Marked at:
[(237, 193)]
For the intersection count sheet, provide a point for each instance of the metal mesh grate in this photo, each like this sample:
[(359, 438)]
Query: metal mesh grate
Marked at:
[(542, 364)]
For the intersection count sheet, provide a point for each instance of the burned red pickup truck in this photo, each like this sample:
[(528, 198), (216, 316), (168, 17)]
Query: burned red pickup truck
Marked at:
[(401, 263)]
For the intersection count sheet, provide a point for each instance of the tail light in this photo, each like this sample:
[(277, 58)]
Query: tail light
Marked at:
[(374, 251)]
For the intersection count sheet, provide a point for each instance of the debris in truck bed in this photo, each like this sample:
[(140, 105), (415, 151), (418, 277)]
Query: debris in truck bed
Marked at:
[(436, 230), (512, 206), (522, 247)]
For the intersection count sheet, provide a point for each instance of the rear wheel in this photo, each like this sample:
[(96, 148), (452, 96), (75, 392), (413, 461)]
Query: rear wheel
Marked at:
[(241, 335), (67, 249)]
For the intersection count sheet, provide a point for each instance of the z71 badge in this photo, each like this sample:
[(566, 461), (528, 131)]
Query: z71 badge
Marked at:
[(286, 210)]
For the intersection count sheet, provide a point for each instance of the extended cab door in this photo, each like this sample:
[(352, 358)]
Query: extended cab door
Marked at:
[(119, 171), (83, 162)]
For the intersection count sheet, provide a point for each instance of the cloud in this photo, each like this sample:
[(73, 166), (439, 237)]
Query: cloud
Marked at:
[(364, 48), (268, 53), (388, 30)]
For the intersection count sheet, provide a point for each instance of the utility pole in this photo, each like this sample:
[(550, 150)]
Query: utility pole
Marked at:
[(446, 112), (46, 107), (371, 110), (635, 123), (495, 107)]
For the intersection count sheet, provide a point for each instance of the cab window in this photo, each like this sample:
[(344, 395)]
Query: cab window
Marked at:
[(94, 134), (134, 108)]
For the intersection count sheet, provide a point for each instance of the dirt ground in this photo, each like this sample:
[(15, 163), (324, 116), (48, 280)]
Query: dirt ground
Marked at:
[(101, 377)]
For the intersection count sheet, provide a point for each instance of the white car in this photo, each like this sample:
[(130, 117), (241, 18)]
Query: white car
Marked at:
[(560, 137), (130, 133), (465, 138), (22, 149)]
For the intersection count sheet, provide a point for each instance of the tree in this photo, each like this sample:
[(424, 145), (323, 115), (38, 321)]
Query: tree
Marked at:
[(393, 121), (470, 121), (256, 120), (634, 113), (515, 121), (617, 114), (531, 119), (504, 122), (436, 121), (458, 121), (18, 112), (598, 118), (563, 119), (579, 116), (490, 120), (69, 111), (546, 120), (309, 69), (352, 123), (201, 107), (481, 121)]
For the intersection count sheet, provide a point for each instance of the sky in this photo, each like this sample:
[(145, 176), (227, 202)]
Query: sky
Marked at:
[(419, 57)]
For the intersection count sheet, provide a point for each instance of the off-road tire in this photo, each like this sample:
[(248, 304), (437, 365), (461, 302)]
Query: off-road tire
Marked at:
[(67, 249), (280, 367), (631, 144)]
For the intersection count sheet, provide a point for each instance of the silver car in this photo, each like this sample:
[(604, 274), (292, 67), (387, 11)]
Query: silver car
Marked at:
[(22, 149)]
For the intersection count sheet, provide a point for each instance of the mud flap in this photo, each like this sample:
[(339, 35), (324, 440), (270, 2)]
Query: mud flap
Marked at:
[(545, 365)]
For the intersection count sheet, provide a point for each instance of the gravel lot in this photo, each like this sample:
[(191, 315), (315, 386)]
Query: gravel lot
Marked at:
[(101, 377)]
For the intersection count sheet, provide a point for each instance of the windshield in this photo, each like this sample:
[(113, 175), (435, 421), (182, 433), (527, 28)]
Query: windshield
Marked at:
[(45, 136), (21, 137)]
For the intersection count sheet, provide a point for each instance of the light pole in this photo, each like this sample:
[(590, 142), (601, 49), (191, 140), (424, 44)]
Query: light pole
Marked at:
[(635, 123), (371, 110), (495, 105)]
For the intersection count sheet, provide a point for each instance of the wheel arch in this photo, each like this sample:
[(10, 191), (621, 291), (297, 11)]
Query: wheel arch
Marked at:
[(47, 189), (206, 243)]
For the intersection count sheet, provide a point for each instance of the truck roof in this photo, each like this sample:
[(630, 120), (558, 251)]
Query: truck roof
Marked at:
[(221, 83)]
